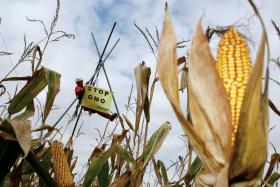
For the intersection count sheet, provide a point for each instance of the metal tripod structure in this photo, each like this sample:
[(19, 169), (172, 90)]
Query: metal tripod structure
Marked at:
[(92, 80)]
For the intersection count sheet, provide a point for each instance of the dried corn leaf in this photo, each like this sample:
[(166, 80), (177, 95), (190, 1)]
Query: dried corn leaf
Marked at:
[(35, 51), (168, 75), (142, 75), (252, 134), (203, 126), (184, 79), (167, 61), (7, 136), (22, 131), (97, 152), (216, 179), (73, 164), (128, 123), (153, 89), (210, 96), (45, 127), (123, 180), (181, 60), (118, 138)]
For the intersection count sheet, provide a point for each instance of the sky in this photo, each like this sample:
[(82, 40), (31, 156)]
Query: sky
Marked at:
[(78, 58)]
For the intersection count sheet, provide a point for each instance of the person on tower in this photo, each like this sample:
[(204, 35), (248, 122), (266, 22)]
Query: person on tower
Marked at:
[(79, 91)]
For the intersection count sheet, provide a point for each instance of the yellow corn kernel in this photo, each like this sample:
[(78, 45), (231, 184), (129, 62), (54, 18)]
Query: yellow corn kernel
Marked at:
[(62, 172), (234, 66)]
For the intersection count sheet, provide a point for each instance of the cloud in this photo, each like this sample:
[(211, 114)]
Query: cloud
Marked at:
[(78, 58)]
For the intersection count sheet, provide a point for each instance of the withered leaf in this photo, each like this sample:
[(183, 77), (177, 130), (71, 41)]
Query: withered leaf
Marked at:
[(22, 129), (168, 75), (142, 75), (209, 105), (252, 134)]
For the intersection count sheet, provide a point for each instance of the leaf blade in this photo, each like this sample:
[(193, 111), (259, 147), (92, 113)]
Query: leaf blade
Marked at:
[(252, 134), (28, 92), (53, 82), (167, 70), (96, 166), (155, 142)]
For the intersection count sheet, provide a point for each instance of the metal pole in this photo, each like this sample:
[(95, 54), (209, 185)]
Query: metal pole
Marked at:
[(64, 113), (100, 59), (116, 106), (96, 70), (76, 122), (115, 103)]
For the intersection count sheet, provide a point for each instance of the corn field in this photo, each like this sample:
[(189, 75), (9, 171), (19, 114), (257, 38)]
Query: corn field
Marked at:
[(225, 129)]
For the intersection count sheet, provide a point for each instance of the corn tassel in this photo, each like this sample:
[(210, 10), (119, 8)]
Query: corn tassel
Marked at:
[(234, 66), (62, 172)]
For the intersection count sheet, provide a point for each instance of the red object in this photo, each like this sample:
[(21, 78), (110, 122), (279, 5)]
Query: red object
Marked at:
[(79, 89)]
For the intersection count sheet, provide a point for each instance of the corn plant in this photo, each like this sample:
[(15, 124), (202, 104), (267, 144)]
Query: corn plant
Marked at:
[(226, 125), (227, 106), (24, 160)]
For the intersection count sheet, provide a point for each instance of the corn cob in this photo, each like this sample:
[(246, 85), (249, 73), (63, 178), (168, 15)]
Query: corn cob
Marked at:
[(234, 65), (62, 172)]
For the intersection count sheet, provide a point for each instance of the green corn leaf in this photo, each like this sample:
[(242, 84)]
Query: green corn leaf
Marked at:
[(40, 79), (6, 183), (103, 176), (46, 160), (29, 112), (41, 171), (194, 169), (25, 96), (155, 142), (275, 158), (274, 177), (163, 172), (125, 154), (96, 165), (10, 151), (53, 82), (27, 169)]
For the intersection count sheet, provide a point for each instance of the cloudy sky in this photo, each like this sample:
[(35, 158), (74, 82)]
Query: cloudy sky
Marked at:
[(78, 57)]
